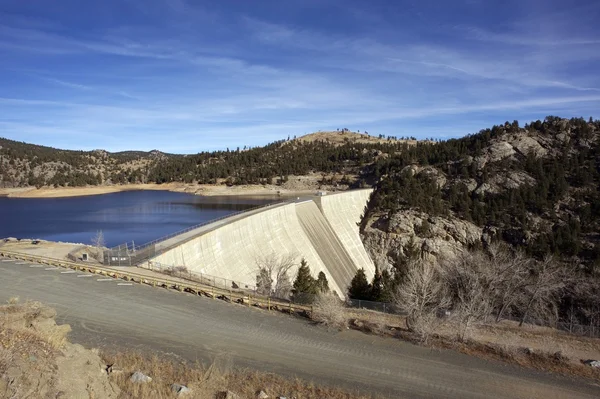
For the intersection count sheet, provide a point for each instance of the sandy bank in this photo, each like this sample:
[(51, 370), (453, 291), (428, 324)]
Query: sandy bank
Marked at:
[(198, 189)]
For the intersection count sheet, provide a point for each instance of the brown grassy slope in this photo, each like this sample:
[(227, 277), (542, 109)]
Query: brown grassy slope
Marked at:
[(208, 382)]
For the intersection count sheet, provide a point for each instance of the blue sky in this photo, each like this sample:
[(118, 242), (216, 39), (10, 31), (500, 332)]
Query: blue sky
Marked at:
[(185, 76)]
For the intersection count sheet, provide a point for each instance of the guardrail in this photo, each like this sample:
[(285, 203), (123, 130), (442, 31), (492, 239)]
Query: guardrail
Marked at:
[(230, 295)]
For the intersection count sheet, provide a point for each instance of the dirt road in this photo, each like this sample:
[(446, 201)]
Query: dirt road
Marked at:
[(106, 314)]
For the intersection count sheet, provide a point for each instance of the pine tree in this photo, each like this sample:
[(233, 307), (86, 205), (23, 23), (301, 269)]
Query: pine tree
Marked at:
[(322, 283), (359, 286), (305, 286)]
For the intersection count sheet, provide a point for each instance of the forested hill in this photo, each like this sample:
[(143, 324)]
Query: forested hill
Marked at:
[(340, 153), (536, 187), (23, 164)]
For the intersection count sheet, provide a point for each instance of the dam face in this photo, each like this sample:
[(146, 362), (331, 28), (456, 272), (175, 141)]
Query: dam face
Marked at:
[(322, 230)]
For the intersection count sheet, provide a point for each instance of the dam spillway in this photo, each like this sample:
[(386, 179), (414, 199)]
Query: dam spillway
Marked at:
[(323, 230)]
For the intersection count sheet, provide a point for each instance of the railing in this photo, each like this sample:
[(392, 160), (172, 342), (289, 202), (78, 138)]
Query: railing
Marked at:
[(187, 229), (202, 278), (231, 295)]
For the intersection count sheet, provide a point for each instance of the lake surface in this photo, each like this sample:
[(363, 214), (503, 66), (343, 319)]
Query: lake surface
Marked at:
[(138, 216)]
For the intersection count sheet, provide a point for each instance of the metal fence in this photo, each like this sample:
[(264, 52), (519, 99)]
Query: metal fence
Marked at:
[(202, 278), (587, 330), (371, 305), (579, 329)]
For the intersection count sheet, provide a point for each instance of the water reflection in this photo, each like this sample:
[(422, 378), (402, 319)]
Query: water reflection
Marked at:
[(138, 216)]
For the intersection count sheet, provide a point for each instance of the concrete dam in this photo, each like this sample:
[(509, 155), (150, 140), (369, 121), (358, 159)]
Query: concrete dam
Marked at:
[(322, 229)]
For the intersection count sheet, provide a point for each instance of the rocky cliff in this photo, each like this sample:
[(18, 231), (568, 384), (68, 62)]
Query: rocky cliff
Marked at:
[(535, 187)]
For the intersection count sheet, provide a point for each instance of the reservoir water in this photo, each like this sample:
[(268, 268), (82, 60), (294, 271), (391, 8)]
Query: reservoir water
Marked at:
[(138, 216)]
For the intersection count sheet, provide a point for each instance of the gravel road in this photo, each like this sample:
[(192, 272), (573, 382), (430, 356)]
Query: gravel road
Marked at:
[(106, 314)]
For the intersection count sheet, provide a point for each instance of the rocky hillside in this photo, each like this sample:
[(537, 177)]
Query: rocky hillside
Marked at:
[(23, 164), (535, 187)]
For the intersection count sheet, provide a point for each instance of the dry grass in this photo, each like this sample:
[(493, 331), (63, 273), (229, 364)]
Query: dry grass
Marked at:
[(502, 342), (30, 325), (207, 382), (554, 362)]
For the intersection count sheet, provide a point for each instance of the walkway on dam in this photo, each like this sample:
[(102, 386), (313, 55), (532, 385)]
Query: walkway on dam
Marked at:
[(179, 239), (149, 250)]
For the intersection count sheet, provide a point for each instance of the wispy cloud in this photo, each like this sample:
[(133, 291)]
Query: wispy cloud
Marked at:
[(132, 77)]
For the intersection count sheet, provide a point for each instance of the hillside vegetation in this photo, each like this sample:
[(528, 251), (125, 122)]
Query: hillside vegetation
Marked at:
[(338, 153), (534, 187)]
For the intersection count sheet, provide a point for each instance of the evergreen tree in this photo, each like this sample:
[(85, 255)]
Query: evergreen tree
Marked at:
[(376, 287), (322, 283), (305, 286), (359, 286)]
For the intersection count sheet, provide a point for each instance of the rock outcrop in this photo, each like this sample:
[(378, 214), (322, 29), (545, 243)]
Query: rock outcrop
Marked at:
[(388, 239)]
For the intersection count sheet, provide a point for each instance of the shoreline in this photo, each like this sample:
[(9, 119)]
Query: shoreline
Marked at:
[(196, 189)]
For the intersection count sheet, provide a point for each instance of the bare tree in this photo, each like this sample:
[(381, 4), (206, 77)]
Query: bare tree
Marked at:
[(541, 296), (510, 272), (99, 244), (422, 295), (272, 274), (470, 289)]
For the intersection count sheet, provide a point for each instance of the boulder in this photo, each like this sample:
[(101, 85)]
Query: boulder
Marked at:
[(528, 145), (262, 395), (140, 377), (228, 395), (180, 389), (114, 369)]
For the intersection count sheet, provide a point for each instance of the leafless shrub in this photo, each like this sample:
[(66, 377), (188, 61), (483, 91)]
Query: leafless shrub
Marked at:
[(13, 300), (330, 311), (272, 276), (422, 295)]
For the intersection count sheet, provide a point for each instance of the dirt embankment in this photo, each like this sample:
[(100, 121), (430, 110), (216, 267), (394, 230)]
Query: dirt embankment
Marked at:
[(37, 361)]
